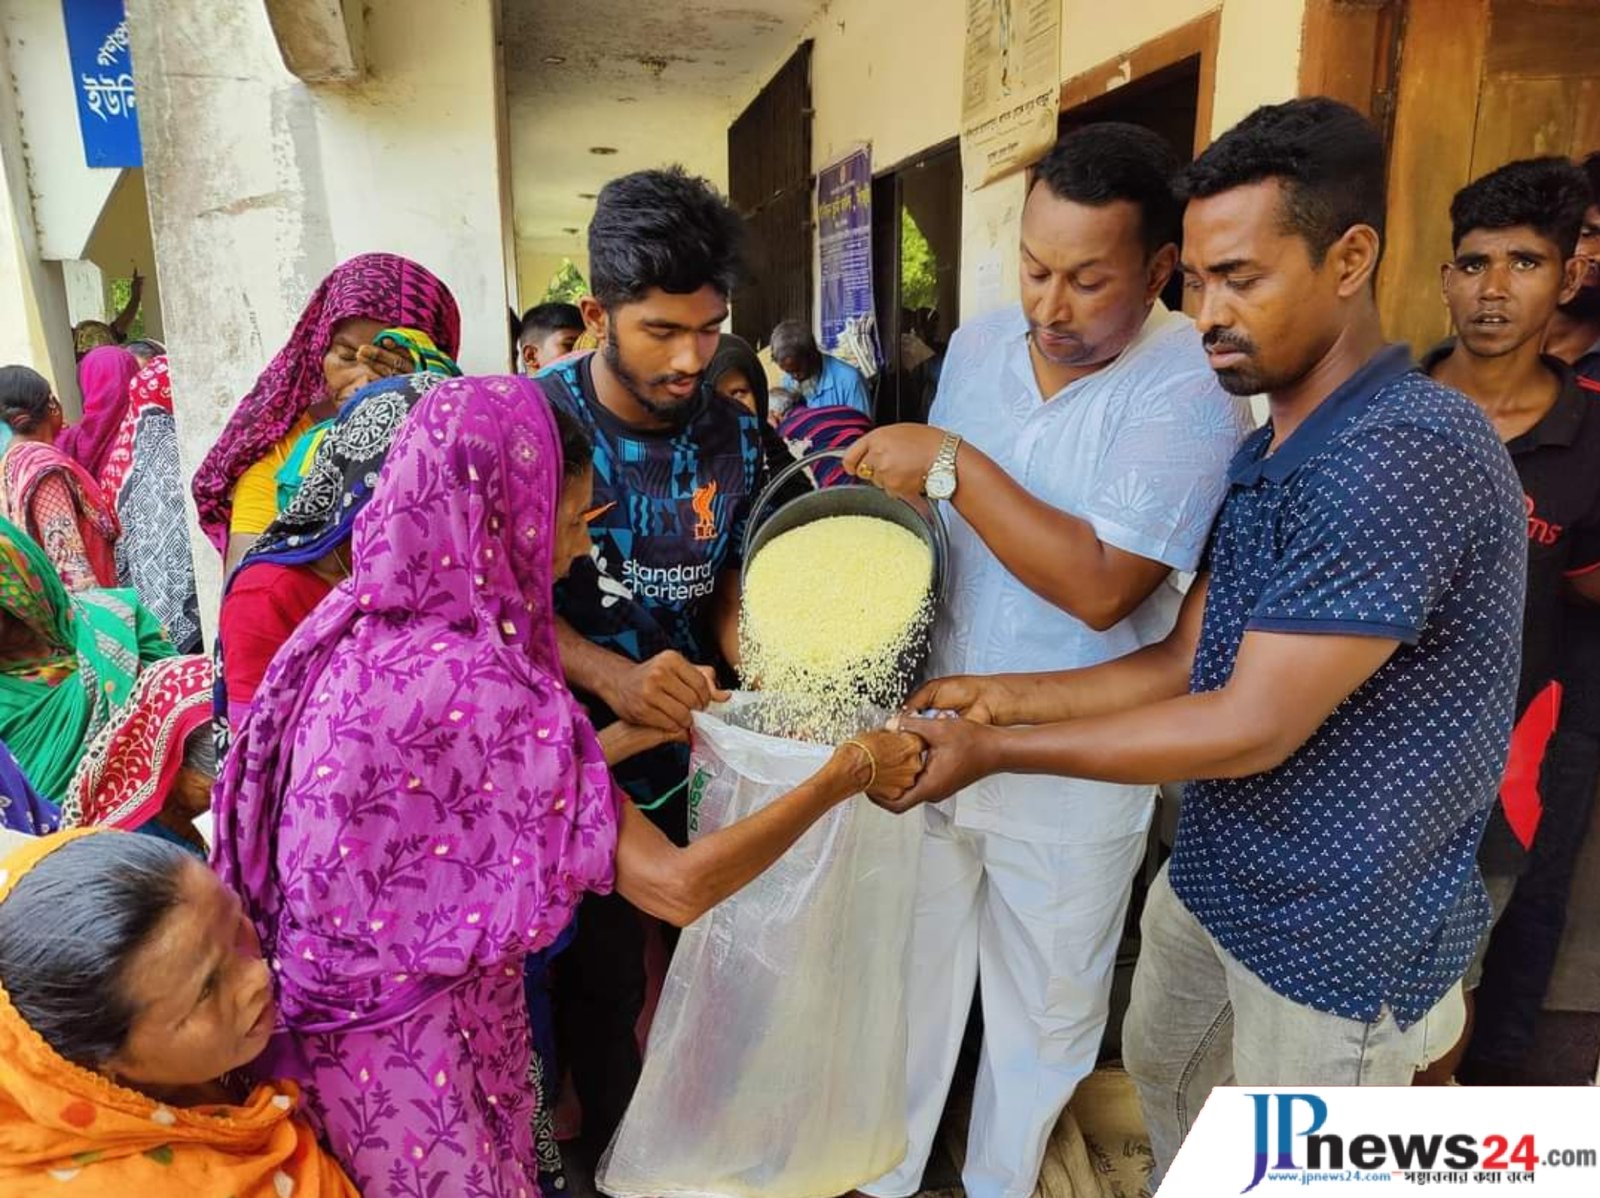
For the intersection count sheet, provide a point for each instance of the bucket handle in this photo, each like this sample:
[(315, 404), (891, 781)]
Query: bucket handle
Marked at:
[(935, 522)]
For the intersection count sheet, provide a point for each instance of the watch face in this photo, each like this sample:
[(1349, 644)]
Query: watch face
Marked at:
[(941, 484)]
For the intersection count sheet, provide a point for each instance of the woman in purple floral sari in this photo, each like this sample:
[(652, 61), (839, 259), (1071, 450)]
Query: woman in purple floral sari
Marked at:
[(417, 802)]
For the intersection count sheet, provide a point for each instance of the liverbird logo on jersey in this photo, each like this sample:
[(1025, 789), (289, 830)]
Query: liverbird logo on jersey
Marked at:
[(705, 526)]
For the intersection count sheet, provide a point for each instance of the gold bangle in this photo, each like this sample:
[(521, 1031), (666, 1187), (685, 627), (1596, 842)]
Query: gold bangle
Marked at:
[(871, 761)]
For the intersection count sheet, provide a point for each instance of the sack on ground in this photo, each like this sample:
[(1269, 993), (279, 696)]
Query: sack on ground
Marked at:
[(776, 1062)]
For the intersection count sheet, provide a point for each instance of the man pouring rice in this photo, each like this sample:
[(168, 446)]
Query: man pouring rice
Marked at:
[(1082, 447)]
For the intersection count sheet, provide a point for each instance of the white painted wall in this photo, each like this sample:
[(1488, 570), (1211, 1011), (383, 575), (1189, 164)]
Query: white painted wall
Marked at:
[(86, 291), (34, 330), (263, 184), (1258, 62), (409, 159), (889, 72)]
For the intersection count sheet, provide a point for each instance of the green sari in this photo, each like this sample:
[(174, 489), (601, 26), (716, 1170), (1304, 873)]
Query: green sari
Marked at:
[(52, 707)]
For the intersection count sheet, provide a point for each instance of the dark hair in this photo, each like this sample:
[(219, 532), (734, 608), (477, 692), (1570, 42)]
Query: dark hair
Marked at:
[(1590, 167), (543, 319), (1327, 156), (662, 229), (1549, 195), (24, 398), (577, 447), (735, 353), (146, 347), (69, 930), (1109, 161)]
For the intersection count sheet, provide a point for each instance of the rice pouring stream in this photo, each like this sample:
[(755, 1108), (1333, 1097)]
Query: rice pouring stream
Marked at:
[(834, 611)]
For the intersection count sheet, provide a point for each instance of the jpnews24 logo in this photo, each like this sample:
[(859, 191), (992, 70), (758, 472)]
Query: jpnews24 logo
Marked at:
[(1328, 1137)]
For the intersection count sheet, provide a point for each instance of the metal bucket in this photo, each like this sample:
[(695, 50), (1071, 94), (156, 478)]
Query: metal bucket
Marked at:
[(847, 499), (852, 499)]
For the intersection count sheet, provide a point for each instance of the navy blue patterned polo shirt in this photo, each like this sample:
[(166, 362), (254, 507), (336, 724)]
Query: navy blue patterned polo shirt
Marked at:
[(1346, 877)]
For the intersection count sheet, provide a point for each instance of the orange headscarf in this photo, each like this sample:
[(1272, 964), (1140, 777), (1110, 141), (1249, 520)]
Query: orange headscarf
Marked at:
[(61, 1123)]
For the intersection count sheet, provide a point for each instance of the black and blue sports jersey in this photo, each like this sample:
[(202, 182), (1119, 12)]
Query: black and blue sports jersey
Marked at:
[(672, 507)]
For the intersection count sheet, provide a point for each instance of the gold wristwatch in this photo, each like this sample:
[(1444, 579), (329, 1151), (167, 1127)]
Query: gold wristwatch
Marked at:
[(941, 480)]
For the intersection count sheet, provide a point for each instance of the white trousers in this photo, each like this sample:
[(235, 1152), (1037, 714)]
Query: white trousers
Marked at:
[(1037, 925)]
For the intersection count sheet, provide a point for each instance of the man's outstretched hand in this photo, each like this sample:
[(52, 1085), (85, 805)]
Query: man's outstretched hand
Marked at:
[(981, 698), (958, 753)]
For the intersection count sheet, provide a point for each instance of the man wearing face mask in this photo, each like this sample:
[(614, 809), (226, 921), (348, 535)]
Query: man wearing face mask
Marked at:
[(646, 622), (1574, 334), (1081, 447)]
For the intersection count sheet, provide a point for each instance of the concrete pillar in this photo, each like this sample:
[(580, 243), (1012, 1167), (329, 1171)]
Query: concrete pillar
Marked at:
[(259, 184), (34, 328)]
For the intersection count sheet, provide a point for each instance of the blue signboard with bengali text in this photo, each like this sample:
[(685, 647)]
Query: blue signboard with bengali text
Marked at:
[(102, 78)]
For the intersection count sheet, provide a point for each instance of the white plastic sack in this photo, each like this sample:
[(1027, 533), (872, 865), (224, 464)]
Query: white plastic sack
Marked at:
[(776, 1062)]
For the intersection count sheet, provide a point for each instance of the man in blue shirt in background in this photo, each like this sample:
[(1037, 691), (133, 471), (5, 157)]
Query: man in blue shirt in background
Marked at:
[(820, 379), (1341, 679)]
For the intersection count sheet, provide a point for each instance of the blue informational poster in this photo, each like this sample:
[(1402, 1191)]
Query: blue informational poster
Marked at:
[(844, 237), (102, 77)]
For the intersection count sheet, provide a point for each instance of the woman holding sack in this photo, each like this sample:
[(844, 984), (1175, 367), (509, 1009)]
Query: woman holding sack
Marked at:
[(416, 802)]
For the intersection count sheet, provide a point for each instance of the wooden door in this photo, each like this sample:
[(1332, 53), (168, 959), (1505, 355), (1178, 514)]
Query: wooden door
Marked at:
[(1482, 82), (769, 183)]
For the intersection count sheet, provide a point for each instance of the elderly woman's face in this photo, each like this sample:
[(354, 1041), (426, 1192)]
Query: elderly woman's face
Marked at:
[(344, 370), (735, 386), (200, 990)]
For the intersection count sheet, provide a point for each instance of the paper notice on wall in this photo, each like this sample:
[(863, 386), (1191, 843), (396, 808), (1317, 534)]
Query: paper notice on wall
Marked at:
[(1012, 86)]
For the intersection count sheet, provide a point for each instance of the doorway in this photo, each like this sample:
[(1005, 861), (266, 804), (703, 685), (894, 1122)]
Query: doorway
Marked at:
[(1167, 102), (1481, 83), (916, 267)]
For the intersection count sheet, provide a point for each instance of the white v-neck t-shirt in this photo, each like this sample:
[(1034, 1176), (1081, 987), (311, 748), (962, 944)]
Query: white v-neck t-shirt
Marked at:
[(1140, 449)]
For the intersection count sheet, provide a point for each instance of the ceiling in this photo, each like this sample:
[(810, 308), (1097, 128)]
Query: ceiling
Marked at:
[(657, 82)]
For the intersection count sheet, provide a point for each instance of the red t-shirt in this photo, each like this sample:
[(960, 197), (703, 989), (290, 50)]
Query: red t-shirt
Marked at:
[(265, 604)]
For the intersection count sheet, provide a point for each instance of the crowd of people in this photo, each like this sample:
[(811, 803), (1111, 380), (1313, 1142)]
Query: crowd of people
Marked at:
[(358, 898)]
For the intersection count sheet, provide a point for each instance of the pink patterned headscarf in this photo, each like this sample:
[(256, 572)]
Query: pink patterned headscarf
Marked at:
[(384, 287), (103, 378), (151, 388), (416, 796)]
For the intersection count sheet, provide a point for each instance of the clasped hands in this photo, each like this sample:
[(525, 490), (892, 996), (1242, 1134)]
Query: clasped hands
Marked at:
[(914, 760), (925, 759)]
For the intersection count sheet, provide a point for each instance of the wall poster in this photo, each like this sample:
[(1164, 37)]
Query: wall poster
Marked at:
[(844, 238), (1011, 95)]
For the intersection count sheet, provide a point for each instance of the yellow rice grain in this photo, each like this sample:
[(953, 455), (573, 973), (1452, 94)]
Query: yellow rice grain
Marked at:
[(831, 612)]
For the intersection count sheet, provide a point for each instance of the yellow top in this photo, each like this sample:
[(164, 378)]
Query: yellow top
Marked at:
[(255, 495)]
